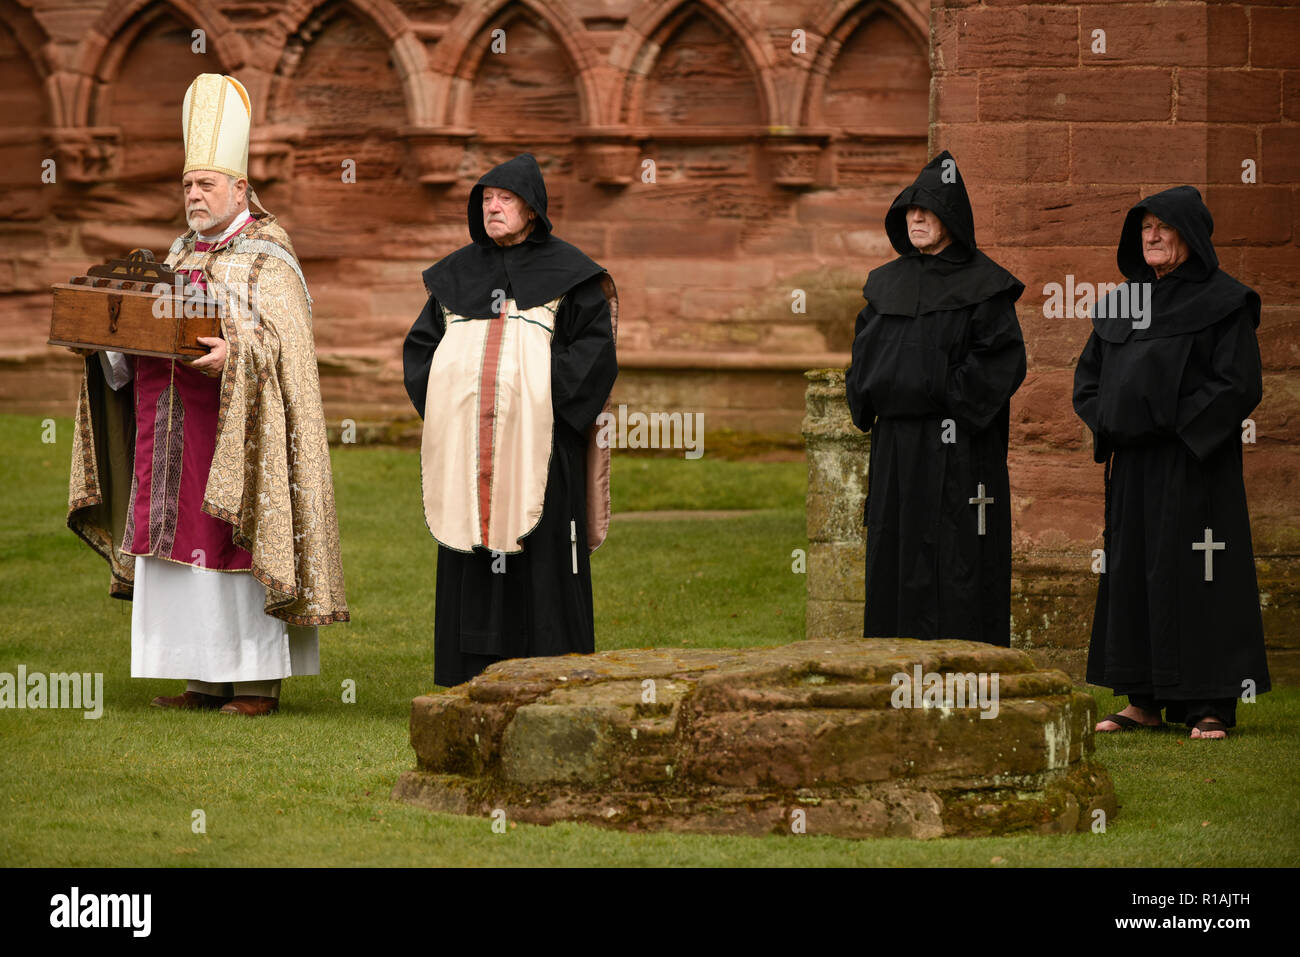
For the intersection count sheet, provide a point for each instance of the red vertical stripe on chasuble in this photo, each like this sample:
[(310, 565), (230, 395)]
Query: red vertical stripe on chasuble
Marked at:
[(487, 414)]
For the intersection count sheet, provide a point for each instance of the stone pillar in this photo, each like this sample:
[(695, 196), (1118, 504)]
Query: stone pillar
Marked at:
[(837, 495), (1052, 594)]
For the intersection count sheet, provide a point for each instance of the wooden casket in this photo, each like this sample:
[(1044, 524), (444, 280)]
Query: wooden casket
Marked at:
[(134, 305)]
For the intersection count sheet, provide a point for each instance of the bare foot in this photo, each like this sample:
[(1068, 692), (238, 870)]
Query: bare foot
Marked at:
[(1145, 718), (1211, 729)]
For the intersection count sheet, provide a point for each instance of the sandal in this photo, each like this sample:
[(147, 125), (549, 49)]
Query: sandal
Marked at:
[(1209, 724), (1125, 724)]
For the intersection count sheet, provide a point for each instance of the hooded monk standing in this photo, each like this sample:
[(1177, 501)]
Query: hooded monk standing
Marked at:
[(937, 355), (509, 365), (1165, 386)]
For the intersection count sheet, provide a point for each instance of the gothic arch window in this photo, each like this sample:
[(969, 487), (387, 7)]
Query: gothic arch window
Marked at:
[(24, 103), (517, 83), (695, 71), (140, 85), (870, 90), (338, 96), (337, 68), (878, 76)]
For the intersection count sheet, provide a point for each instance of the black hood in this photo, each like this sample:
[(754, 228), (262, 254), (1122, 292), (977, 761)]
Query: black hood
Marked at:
[(541, 268), (957, 276), (940, 189), (1195, 295), (1183, 209), (523, 177)]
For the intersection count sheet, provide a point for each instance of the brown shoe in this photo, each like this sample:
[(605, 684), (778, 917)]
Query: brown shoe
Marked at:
[(190, 701), (251, 705)]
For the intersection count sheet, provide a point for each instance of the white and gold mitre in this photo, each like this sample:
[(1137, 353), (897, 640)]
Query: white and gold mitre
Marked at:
[(216, 117)]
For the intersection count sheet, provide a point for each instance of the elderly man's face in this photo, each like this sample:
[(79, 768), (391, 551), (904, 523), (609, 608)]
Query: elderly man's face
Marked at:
[(1162, 246), (212, 200), (926, 230), (506, 217)]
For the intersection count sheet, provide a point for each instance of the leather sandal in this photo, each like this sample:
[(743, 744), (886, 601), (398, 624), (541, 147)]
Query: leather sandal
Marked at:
[(1210, 724), (1126, 724)]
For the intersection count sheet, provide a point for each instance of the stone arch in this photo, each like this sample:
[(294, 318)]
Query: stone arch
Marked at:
[(126, 82), (651, 27), (31, 36), (458, 48), (389, 103), (26, 95), (337, 106), (839, 21), (34, 43), (406, 50), (98, 57)]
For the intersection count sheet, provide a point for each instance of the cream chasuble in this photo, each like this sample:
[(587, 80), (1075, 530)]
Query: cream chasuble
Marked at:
[(486, 451)]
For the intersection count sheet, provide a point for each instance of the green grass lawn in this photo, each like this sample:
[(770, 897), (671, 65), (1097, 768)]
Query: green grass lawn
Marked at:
[(310, 786)]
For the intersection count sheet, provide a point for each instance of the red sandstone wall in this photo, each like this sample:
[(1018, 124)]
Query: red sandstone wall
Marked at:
[(773, 167), (1057, 142), (773, 172)]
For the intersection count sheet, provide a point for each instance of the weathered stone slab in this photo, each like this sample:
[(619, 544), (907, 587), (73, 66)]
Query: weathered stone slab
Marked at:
[(845, 737)]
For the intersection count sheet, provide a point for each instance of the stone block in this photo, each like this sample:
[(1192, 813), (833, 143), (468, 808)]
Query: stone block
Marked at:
[(1014, 37), (1151, 35), (1251, 215), (1291, 94), (1226, 146), (1009, 152), (1081, 94), (1042, 411), (1280, 160), (849, 737), (955, 98), (1050, 215), (1279, 337), (1273, 37), (1229, 96), (833, 619), (836, 569), (561, 743), (1137, 152), (1270, 271), (713, 240), (836, 518)]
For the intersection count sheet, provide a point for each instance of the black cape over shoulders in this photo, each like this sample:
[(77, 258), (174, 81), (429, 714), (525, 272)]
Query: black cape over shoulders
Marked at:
[(1165, 395), (492, 606), (959, 275), (937, 355), (537, 270)]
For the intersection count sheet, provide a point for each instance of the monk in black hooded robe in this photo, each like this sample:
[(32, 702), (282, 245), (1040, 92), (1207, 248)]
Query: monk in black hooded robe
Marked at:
[(528, 594), (937, 355), (1164, 383)]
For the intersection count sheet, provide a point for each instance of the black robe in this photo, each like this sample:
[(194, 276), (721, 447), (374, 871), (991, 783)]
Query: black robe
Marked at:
[(1165, 405), (937, 355), (537, 606)]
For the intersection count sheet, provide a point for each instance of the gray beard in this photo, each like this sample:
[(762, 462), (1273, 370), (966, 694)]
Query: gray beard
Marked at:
[(214, 218)]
